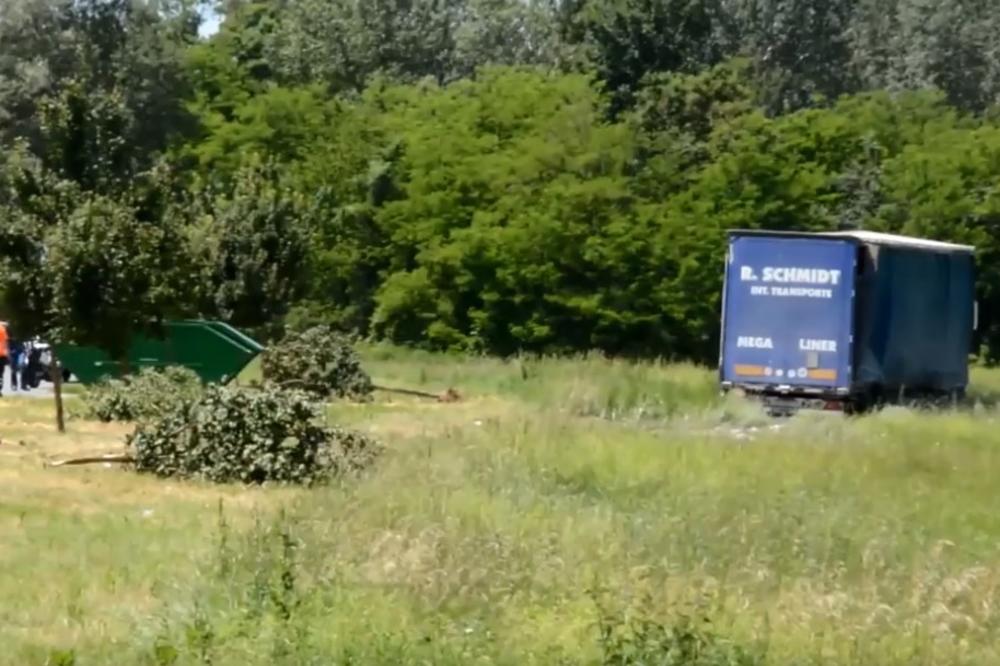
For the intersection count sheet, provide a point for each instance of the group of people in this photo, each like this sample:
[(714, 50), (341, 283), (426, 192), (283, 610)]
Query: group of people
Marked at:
[(22, 359)]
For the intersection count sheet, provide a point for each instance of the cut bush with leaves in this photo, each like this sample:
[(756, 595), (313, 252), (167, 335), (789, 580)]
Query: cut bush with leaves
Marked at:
[(149, 394), (249, 435), (318, 361)]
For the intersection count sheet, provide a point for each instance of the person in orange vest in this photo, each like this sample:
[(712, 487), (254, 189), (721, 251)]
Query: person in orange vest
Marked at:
[(4, 353)]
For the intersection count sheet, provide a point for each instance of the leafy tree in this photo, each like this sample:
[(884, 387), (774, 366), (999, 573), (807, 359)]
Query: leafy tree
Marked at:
[(352, 169), (912, 44), (253, 248), (34, 51), (246, 34), (515, 228), (630, 39), (345, 42), (278, 124), (95, 87), (800, 49), (82, 268), (111, 275), (508, 32), (675, 117), (223, 71), (32, 202)]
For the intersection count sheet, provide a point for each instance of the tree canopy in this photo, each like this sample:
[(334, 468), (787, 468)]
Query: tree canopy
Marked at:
[(490, 175)]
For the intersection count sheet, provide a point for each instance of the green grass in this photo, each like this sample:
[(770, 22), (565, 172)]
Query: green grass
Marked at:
[(557, 498)]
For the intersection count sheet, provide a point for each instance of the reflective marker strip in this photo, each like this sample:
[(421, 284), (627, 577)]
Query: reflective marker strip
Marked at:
[(828, 375), (749, 370)]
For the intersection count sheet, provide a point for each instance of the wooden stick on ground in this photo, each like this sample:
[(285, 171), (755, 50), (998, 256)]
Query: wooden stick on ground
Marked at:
[(121, 458), (451, 395)]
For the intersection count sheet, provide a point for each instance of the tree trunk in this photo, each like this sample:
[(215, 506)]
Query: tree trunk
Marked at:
[(57, 385)]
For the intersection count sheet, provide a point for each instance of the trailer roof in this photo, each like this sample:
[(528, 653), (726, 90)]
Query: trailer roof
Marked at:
[(870, 237), (877, 238)]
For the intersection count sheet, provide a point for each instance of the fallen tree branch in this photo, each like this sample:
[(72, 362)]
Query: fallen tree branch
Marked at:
[(121, 458), (451, 395)]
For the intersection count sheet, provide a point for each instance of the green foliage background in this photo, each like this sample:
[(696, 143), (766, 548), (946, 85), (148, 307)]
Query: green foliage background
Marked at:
[(485, 175)]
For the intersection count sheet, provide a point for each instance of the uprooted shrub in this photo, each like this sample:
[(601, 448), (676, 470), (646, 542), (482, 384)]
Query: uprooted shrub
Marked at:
[(148, 394), (249, 435), (318, 361)]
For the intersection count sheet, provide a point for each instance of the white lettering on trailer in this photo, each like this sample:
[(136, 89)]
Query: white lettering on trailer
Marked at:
[(817, 345), (749, 342), (801, 275), (804, 292), (791, 275)]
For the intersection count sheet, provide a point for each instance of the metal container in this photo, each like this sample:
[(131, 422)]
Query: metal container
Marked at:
[(214, 350)]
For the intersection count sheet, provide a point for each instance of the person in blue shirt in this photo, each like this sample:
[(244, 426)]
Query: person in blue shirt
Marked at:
[(23, 360), (18, 354)]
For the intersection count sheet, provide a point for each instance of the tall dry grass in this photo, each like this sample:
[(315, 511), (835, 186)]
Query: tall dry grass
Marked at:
[(566, 512)]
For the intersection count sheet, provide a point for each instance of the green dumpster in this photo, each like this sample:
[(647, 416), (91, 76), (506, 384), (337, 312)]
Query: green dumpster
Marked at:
[(212, 349)]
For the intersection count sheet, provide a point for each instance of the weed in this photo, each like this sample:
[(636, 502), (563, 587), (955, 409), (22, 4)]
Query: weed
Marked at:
[(200, 636), (61, 658), (638, 638)]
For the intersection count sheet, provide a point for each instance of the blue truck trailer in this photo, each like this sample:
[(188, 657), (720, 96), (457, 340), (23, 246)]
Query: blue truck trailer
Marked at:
[(845, 320)]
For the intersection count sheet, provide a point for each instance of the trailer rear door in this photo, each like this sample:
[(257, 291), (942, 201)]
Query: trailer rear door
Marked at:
[(788, 313)]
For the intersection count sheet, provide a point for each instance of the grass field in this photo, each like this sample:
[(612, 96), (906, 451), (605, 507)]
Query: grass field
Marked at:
[(565, 512)]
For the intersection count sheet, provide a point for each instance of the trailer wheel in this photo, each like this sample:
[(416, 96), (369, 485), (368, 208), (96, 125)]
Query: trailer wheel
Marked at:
[(862, 404)]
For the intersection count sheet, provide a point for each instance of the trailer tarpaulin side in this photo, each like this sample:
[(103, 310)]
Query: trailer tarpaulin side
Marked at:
[(915, 318)]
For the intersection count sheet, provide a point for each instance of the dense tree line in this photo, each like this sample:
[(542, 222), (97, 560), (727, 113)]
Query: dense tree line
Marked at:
[(494, 175)]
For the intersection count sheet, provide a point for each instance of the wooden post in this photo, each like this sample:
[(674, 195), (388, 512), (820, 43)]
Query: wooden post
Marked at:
[(57, 385)]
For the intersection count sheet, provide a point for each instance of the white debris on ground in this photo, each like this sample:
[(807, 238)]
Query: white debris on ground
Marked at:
[(748, 433)]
